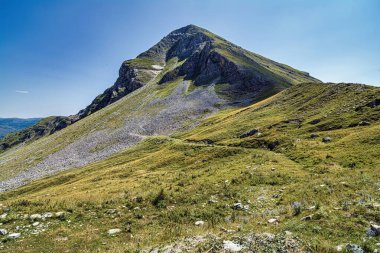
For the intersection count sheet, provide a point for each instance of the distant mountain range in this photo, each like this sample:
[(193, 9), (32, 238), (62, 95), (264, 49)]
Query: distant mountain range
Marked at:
[(9, 125)]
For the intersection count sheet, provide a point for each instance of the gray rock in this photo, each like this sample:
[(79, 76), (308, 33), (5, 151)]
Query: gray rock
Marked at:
[(376, 229), (326, 139), (35, 216), (199, 223), (238, 206), (314, 135), (60, 215), (114, 231), (232, 246), (14, 235), (47, 215), (354, 248), (3, 231)]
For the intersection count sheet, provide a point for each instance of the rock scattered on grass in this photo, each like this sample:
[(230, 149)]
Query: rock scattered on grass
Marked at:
[(114, 231), (3, 231), (232, 246), (326, 139), (199, 223), (14, 235)]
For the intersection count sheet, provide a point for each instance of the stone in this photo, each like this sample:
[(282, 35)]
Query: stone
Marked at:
[(273, 220), (199, 223), (376, 229), (307, 217), (326, 139), (60, 215), (339, 248), (47, 215), (354, 248), (238, 205), (35, 224), (114, 231), (314, 135), (3, 231), (232, 246), (364, 123), (3, 216), (14, 235), (35, 216)]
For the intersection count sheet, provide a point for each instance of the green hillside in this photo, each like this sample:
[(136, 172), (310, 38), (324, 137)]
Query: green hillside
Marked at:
[(270, 157)]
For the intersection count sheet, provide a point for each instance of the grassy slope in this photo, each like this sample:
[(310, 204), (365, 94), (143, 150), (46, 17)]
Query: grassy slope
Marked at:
[(330, 176)]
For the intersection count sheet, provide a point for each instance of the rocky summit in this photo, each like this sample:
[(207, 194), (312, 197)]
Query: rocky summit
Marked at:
[(199, 146)]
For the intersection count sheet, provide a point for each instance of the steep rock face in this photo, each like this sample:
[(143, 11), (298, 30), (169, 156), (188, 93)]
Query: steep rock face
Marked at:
[(127, 82)]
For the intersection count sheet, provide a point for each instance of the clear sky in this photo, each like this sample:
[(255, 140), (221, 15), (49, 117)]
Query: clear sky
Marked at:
[(57, 55)]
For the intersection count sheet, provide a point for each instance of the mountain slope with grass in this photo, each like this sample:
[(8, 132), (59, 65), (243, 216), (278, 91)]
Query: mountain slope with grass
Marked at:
[(261, 177), (201, 146), (189, 75)]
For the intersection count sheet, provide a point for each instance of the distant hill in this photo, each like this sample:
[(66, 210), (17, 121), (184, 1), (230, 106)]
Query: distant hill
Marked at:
[(9, 125)]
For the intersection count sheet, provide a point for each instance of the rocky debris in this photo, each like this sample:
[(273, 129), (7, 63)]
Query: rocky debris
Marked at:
[(272, 221), (232, 246), (14, 235), (113, 231), (354, 248), (60, 215), (264, 242), (326, 139), (374, 230), (199, 223), (3, 231), (249, 133), (307, 217), (47, 215), (240, 206), (35, 216), (314, 135), (364, 123)]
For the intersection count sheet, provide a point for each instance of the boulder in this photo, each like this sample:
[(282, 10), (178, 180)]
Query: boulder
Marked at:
[(114, 231), (14, 235), (314, 135), (199, 223), (35, 216), (3, 231), (326, 139), (232, 246), (273, 220)]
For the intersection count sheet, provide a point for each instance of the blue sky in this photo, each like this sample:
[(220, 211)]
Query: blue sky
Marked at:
[(57, 55)]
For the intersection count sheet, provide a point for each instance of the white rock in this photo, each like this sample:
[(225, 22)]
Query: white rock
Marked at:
[(199, 223), (158, 67), (272, 221), (339, 248), (114, 231), (14, 235), (3, 232), (3, 216), (59, 214), (47, 215), (231, 246), (35, 216), (238, 205), (35, 224)]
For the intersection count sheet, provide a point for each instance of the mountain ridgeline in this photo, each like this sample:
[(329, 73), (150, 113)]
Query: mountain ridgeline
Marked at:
[(191, 52)]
